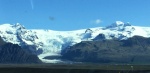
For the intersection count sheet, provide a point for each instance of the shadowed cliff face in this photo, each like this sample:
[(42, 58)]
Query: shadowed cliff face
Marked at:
[(132, 50), (12, 53), (1, 41)]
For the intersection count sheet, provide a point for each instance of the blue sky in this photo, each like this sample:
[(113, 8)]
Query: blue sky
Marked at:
[(74, 14)]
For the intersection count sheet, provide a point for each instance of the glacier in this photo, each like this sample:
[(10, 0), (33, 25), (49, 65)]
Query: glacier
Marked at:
[(50, 42)]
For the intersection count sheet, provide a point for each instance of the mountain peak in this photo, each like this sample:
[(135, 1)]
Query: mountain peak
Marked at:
[(118, 25), (18, 26)]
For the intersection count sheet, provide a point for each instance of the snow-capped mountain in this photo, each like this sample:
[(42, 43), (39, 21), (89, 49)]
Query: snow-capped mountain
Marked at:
[(48, 42)]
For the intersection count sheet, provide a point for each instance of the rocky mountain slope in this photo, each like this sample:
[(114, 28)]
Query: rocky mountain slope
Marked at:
[(50, 43), (132, 50), (2, 41), (14, 54)]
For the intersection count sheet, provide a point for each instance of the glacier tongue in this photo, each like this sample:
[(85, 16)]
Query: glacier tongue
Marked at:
[(48, 42)]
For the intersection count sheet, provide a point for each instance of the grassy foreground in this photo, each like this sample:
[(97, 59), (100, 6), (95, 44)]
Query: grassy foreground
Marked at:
[(72, 68)]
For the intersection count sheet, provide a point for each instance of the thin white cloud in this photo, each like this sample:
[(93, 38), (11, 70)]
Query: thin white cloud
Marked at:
[(97, 21)]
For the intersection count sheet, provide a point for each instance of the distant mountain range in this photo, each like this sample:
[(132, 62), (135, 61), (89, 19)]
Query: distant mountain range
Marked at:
[(44, 43)]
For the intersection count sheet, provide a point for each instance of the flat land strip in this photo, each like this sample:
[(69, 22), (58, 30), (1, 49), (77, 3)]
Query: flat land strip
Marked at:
[(72, 68)]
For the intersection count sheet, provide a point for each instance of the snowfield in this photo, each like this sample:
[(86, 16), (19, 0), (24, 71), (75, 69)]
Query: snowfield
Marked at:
[(48, 42)]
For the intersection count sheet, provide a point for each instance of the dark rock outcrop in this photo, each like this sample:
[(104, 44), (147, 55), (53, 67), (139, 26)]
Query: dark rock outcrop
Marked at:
[(132, 50), (99, 37), (13, 53), (1, 41)]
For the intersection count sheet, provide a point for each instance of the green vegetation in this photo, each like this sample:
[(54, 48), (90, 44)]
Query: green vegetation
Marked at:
[(73, 68)]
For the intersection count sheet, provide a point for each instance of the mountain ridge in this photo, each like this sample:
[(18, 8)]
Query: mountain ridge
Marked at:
[(134, 50), (49, 42), (14, 54)]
